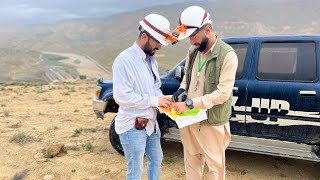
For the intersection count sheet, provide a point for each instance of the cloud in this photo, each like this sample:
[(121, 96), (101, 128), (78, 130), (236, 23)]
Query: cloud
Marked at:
[(25, 14), (48, 11)]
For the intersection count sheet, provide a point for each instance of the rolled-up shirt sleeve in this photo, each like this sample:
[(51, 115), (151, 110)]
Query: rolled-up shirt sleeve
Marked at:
[(225, 86), (123, 88)]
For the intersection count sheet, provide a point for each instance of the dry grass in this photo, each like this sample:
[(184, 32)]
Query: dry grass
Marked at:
[(33, 125)]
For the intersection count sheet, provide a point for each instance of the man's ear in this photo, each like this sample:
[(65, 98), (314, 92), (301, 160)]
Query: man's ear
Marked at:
[(207, 28), (144, 36)]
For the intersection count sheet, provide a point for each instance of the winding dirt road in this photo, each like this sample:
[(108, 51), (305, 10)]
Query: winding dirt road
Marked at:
[(84, 65)]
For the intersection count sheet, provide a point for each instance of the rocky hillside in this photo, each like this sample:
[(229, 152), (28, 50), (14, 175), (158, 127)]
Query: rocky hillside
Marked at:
[(103, 38)]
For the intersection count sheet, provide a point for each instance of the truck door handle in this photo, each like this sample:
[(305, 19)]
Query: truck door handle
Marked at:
[(235, 89), (307, 93)]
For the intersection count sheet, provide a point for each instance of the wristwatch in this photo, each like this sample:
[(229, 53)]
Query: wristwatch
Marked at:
[(189, 103)]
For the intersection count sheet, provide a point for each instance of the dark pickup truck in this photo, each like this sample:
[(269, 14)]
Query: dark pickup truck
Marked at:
[(276, 97)]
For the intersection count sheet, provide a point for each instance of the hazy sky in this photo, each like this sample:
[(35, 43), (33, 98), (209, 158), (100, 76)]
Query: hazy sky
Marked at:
[(24, 12)]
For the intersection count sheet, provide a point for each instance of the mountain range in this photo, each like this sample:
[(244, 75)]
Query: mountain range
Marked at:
[(103, 38)]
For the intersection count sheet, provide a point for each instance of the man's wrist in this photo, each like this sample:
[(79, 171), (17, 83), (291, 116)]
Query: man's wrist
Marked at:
[(154, 101), (189, 103)]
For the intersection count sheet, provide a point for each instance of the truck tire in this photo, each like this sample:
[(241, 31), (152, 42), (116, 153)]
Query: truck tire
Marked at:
[(114, 138)]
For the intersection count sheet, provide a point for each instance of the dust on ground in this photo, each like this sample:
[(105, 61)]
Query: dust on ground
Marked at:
[(32, 118)]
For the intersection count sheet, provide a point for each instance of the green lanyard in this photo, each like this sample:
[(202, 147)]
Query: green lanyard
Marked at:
[(200, 67)]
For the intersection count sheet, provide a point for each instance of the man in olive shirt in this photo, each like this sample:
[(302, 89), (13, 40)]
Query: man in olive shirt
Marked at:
[(210, 68)]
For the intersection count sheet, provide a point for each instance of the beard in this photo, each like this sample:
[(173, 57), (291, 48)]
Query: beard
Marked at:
[(203, 44), (148, 49)]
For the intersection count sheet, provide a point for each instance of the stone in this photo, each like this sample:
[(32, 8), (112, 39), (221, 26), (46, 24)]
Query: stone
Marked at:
[(56, 149), (48, 177)]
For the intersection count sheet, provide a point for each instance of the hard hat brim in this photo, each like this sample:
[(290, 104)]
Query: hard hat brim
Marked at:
[(186, 34), (190, 31)]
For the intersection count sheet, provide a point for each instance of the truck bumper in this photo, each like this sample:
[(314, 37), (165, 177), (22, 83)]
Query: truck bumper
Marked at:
[(99, 107)]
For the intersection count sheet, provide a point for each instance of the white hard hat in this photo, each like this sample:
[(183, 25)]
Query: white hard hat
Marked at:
[(194, 17), (157, 26)]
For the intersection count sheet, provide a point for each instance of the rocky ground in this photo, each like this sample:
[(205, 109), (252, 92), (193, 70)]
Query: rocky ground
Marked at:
[(59, 116)]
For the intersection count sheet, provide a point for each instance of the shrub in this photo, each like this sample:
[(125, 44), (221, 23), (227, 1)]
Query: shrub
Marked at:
[(93, 130), (88, 146), (6, 113), (48, 154), (77, 132), (19, 137)]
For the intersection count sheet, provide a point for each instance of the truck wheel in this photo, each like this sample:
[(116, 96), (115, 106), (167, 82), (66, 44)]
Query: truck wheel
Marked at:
[(114, 138)]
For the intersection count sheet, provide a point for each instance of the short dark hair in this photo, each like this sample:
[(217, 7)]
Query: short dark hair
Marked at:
[(147, 33), (207, 24), (142, 31)]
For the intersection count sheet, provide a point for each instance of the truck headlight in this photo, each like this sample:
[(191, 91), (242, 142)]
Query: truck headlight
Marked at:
[(98, 91)]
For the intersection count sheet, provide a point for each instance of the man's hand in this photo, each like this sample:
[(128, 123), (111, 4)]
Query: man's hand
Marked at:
[(180, 107), (164, 102), (179, 96)]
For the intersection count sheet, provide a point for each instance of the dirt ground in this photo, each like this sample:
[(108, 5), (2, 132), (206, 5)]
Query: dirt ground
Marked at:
[(32, 118)]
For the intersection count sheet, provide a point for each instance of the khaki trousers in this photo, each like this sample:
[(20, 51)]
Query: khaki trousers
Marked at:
[(205, 145)]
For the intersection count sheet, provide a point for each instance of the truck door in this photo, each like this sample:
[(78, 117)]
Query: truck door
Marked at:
[(284, 91), (243, 49)]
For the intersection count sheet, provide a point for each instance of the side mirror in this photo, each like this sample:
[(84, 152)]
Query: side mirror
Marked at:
[(100, 80), (179, 73)]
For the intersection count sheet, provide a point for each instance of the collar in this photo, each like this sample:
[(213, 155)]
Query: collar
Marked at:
[(139, 51), (212, 47)]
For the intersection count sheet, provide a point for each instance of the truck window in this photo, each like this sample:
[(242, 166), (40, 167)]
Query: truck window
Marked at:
[(294, 61), (241, 51)]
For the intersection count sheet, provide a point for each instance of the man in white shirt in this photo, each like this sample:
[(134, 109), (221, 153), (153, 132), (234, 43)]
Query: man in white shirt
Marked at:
[(136, 88)]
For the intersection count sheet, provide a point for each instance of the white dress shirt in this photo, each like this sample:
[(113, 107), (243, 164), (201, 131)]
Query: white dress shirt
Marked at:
[(136, 88)]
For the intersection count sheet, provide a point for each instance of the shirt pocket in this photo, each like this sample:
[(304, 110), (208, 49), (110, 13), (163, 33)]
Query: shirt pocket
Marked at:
[(212, 78)]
